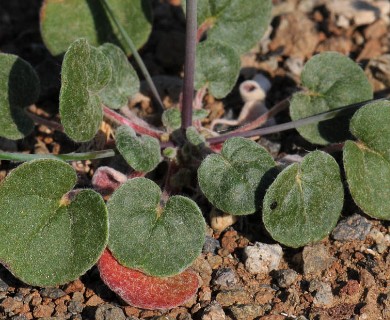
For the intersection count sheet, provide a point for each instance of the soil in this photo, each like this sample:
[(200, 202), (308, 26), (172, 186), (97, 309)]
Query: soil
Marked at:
[(345, 276)]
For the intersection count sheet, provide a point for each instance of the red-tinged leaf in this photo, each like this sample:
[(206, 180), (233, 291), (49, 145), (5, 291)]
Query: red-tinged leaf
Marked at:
[(142, 291)]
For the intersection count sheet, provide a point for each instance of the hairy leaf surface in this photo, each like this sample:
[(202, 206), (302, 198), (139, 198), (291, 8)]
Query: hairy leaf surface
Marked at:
[(331, 80), (304, 202), (239, 23), (143, 291), (19, 87), (49, 237), (159, 241), (367, 161), (85, 72), (62, 22), (217, 67), (141, 153), (235, 180), (124, 82)]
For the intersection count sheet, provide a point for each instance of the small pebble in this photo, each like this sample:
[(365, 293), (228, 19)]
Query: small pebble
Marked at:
[(262, 258), (316, 258), (75, 307), (250, 311), (211, 245), (354, 227), (322, 293), (225, 278), (53, 293), (213, 311), (109, 312), (43, 311), (19, 317), (78, 296), (227, 298), (3, 285), (284, 278)]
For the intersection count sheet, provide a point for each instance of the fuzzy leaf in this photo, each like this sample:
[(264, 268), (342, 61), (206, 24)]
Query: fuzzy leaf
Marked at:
[(141, 153), (157, 241), (49, 237), (194, 137), (332, 80), (217, 67), (238, 23), (19, 87), (235, 180), (62, 22), (85, 72), (143, 291), (171, 118), (124, 82), (304, 202), (367, 161)]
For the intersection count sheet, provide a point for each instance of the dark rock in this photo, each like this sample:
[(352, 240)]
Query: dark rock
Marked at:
[(316, 258), (3, 285), (53, 293), (75, 307), (284, 278), (225, 278), (354, 227), (109, 312), (211, 245), (19, 317)]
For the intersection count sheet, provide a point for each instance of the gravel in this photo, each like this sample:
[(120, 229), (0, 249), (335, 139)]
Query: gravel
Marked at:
[(211, 245), (354, 227), (225, 278), (285, 277), (109, 312), (316, 258), (262, 258)]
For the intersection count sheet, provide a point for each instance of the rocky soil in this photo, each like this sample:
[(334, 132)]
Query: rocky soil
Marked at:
[(244, 273)]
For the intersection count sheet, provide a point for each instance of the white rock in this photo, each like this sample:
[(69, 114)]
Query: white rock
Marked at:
[(213, 311), (262, 258)]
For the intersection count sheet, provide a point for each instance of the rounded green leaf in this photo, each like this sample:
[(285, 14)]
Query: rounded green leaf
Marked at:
[(49, 237), (367, 161), (331, 80), (62, 22), (143, 235), (124, 82), (304, 202), (217, 67), (238, 23), (235, 180), (85, 72), (171, 118), (141, 153), (19, 87)]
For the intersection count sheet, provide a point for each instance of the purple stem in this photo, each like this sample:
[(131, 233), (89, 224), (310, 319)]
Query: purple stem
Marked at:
[(189, 64)]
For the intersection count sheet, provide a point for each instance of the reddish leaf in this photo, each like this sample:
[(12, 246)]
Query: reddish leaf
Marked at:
[(142, 291)]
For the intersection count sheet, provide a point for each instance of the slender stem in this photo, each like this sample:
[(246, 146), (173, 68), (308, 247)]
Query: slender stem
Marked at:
[(134, 51), (50, 124), (116, 117), (342, 111), (65, 157), (189, 64)]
